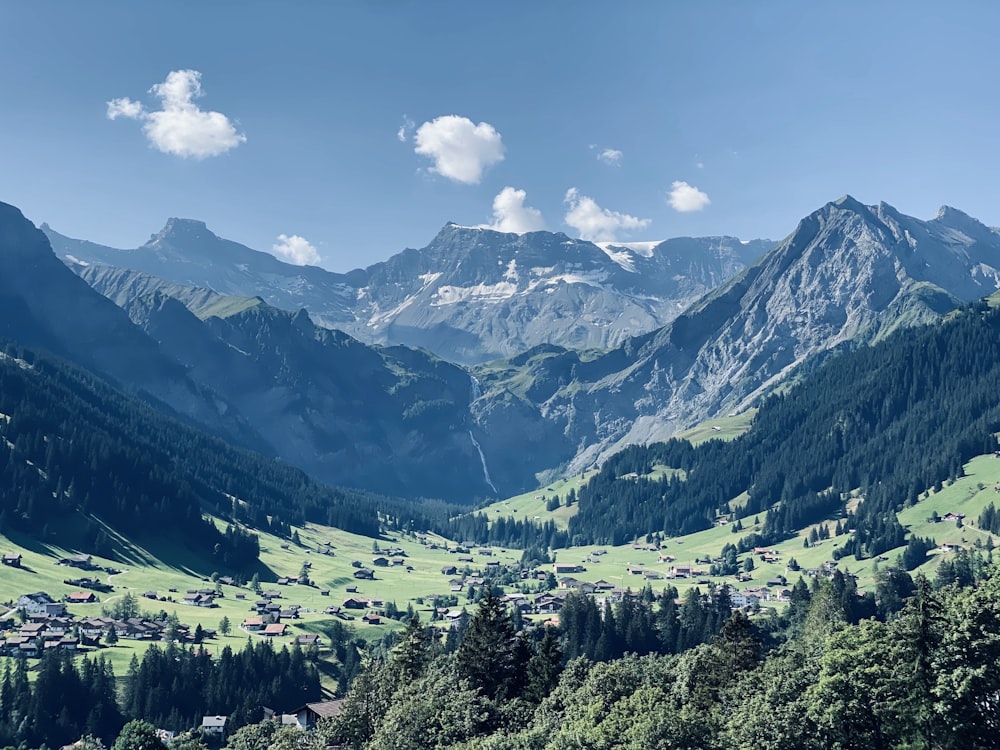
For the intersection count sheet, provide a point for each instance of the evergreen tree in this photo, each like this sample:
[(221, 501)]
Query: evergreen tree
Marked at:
[(486, 654)]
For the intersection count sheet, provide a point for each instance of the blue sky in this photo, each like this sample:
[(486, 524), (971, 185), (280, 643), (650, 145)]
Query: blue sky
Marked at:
[(352, 130)]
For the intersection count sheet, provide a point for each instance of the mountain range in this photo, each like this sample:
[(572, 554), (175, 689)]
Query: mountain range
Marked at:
[(401, 420), (469, 296)]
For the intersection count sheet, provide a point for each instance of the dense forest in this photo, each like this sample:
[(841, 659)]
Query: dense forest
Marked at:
[(171, 687), (888, 421), (917, 671), (71, 443)]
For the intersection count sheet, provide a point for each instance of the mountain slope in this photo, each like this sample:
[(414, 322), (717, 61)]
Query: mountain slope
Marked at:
[(471, 295), (43, 305), (848, 274), (385, 418)]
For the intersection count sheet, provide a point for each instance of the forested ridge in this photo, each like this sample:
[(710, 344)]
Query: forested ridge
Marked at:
[(71, 443), (888, 421)]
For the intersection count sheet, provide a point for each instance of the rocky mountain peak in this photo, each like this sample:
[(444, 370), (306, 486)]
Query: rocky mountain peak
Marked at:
[(182, 230), (19, 239)]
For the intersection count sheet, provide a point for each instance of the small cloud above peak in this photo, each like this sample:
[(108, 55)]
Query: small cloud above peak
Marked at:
[(460, 149), (510, 214), (595, 223), (180, 127), (296, 250), (686, 198)]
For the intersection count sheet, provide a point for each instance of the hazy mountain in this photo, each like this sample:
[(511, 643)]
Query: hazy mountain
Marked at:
[(390, 419), (471, 295), (848, 273), (44, 305)]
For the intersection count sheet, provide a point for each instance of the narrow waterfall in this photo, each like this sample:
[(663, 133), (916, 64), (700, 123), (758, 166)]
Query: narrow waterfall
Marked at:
[(482, 458)]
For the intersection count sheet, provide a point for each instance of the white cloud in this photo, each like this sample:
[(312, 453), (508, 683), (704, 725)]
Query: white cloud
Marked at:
[(685, 198), (124, 107), (460, 149), (296, 250), (180, 127), (511, 215), (403, 134), (611, 157), (595, 223)]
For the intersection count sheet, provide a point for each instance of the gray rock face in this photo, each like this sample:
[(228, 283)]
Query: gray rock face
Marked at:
[(470, 296), (849, 273)]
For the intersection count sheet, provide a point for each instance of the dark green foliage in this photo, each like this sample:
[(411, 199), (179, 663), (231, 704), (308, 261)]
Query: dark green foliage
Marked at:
[(486, 656), (65, 701), (174, 687), (137, 735), (892, 419)]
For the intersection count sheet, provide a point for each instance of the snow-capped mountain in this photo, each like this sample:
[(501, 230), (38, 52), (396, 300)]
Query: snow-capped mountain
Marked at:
[(471, 295)]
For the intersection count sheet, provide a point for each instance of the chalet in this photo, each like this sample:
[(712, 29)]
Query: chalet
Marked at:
[(200, 600), (465, 559), (227, 580), (40, 603), (493, 565), (81, 597), (84, 562), (307, 639), (271, 594), (307, 716), (365, 574), (948, 547), (777, 581), (951, 516), (372, 618), (322, 592), (651, 575), (547, 604), (253, 624), (13, 559), (485, 551), (603, 585), (382, 562), (214, 724), (564, 568), (289, 614), (274, 629), (635, 570), (667, 558), (285, 580), (681, 571), (449, 570), (398, 561), (333, 609), (740, 599), (355, 602), (151, 595)]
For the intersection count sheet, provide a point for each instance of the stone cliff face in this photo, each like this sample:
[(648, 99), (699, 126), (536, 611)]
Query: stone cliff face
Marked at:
[(849, 273)]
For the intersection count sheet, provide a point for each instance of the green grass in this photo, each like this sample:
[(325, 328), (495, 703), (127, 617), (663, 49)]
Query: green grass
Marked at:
[(531, 505), (163, 566), (725, 428)]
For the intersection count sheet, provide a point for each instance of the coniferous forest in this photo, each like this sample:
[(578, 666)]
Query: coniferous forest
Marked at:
[(888, 421)]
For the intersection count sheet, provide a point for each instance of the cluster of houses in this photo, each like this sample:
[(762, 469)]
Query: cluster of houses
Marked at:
[(36, 623)]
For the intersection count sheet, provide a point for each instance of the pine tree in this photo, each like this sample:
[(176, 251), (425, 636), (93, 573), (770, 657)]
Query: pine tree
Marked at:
[(486, 654), (544, 668), (411, 655)]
